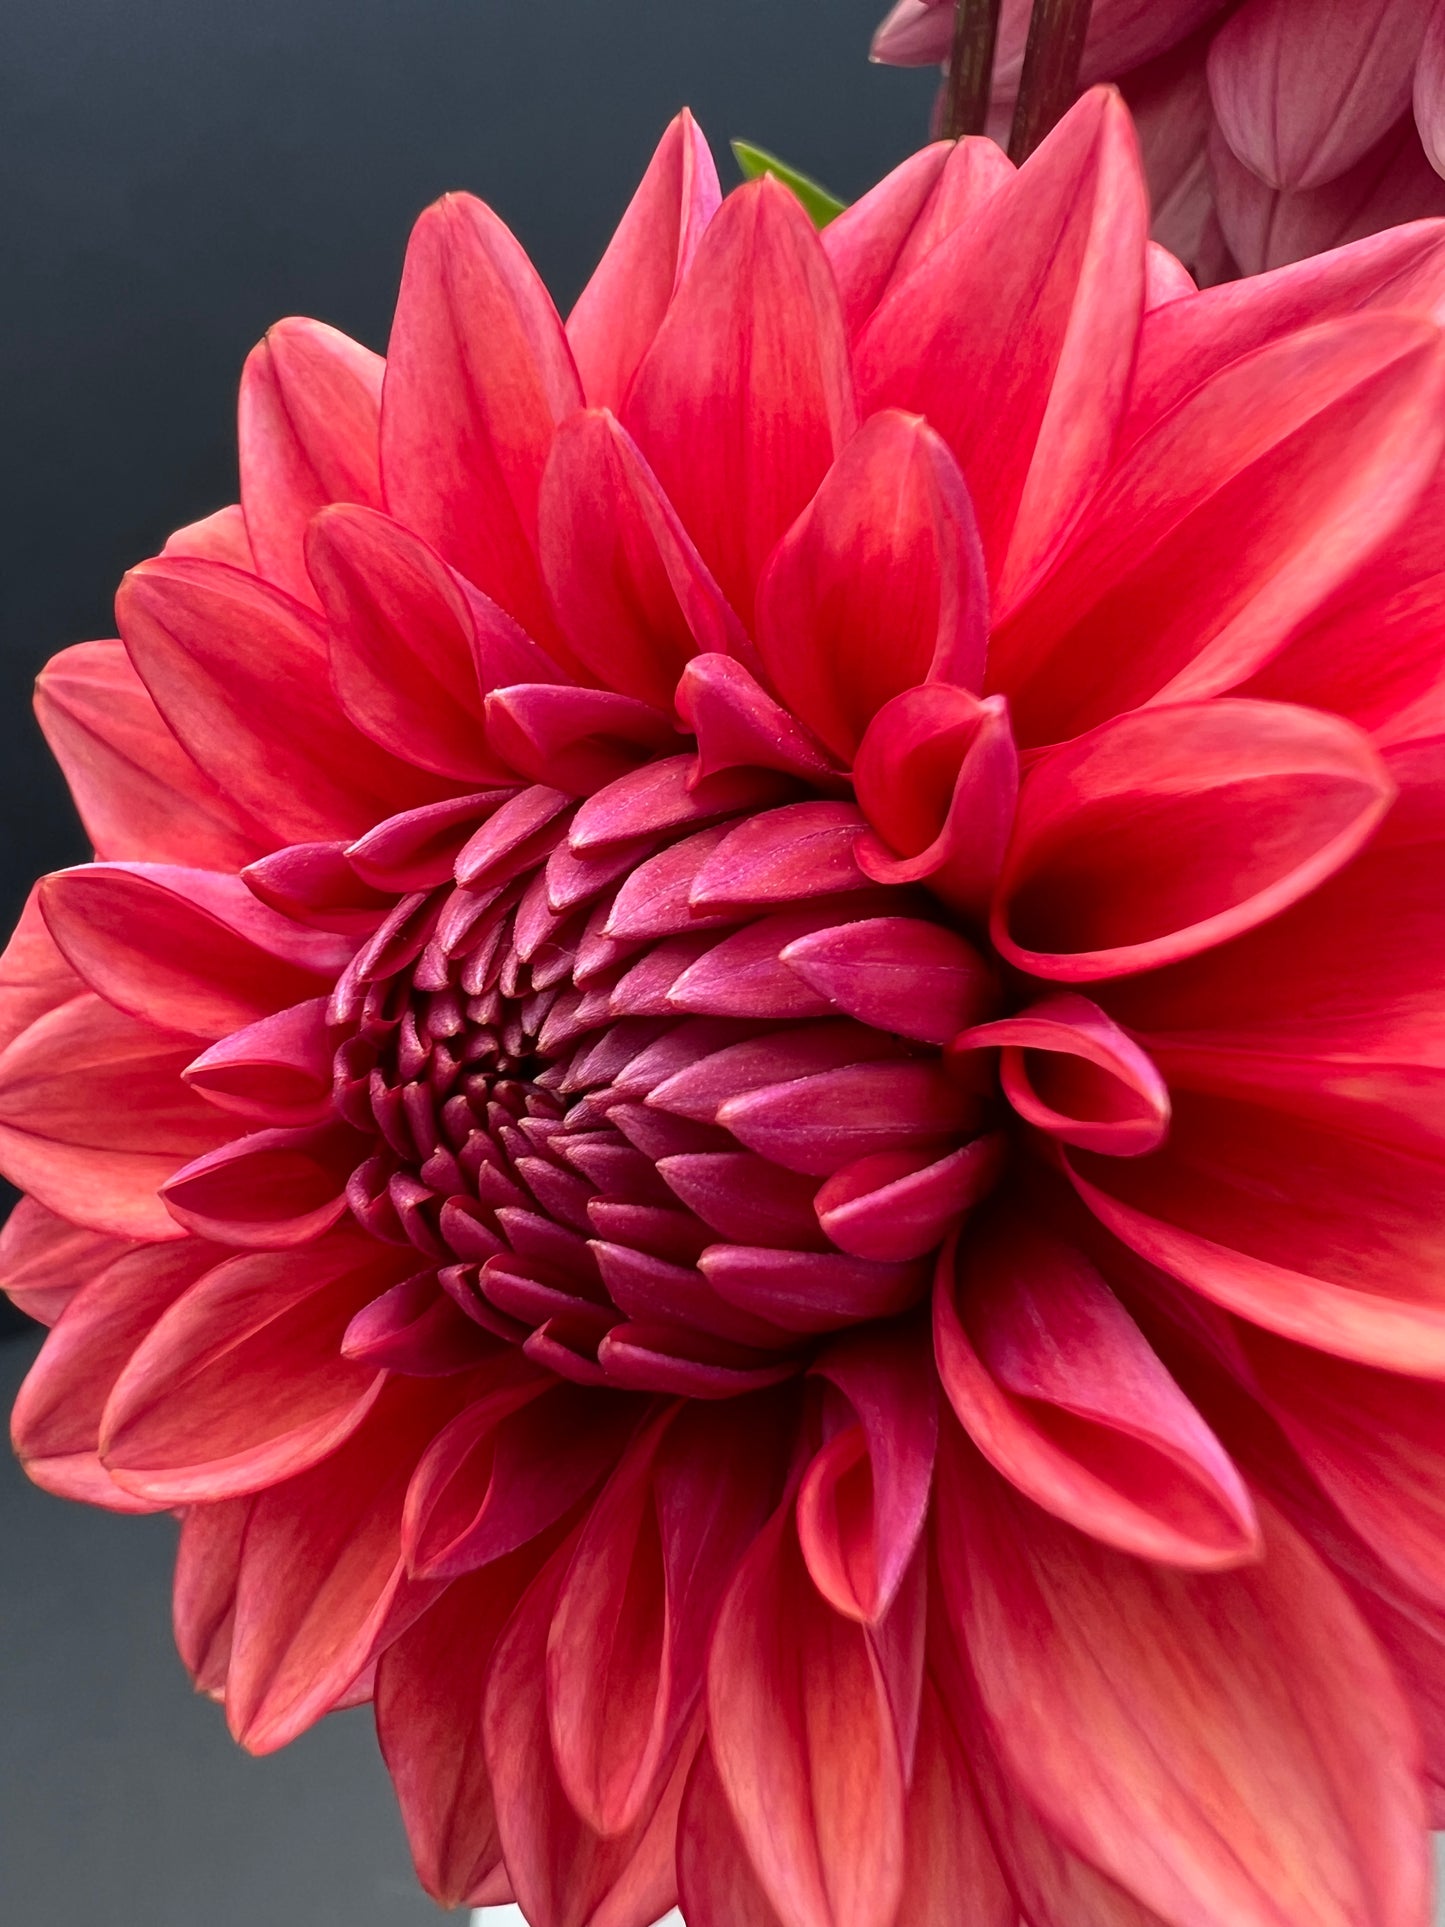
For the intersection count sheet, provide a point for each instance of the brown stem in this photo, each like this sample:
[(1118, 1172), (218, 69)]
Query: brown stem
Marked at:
[(970, 67), (1050, 81)]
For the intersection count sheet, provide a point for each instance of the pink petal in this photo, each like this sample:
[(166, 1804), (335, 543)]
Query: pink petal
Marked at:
[(744, 975), (805, 1744), (139, 795), (220, 537), (800, 850), (403, 644), (44, 1259), (669, 795), (1040, 298), (56, 1421), (309, 419), (819, 1123), (94, 1118), (315, 885), (1342, 404), (628, 1638), (887, 547), (188, 949), (898, 974), (878, 241), (937, 778), (633, 595), (278, 1070), (417, 1328), (897, 1205), (1172, 829), (478, 375), (863, 1501), (745, 396), (241, 1383), (618, 313), (203, 1609), (717, 1882), (738, 725), (505, 1469), (1059, 1389), (1324, 1235), (429, 1687), (239, 672), (34, 976), (322, 1586), (1430, 89), (745, 1198), (1069, 1070), (1302, 93), (1266, 228), (563, 1873), (811, 1291), (269, 1190), (579, 739), (948, 1848), (1189, 1699), (703, 1069)]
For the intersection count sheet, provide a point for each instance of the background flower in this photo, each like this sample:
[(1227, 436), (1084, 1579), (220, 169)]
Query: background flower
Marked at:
[(568, 1048), (1272, 129)]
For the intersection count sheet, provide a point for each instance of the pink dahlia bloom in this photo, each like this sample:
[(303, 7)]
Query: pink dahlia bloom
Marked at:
[(1272, 129), (747, 1106)]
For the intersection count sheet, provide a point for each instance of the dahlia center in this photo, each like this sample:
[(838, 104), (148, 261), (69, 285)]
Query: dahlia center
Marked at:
[(642, 1109)]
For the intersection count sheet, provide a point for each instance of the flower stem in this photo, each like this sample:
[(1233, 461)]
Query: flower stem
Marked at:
[(1052, 58), (970, 67)]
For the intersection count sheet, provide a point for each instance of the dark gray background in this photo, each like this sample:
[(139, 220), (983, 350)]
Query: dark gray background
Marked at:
[(175, 175)]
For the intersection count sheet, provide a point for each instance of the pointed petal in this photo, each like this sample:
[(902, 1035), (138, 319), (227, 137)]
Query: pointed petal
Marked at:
[(1314, 443), (739, 726), (139, 794), (1059, 1389), (203, 1605), (34, 976), (1040, 298), (897, 1205), (805, 1744), (1171, 829), (309, 421), (717, 1882), (403, 645), (887, 548), (188, 949), (239, 673), (898, 974), (745, 396), (1193, 1696), (269, 1190), (633, 595), (619, 312), (44, 1259)]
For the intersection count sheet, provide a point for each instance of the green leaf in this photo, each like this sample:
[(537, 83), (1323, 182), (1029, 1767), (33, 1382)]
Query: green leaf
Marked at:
[(820, 206)]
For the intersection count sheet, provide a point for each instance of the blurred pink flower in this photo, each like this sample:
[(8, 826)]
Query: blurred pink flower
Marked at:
[(1271, 129)]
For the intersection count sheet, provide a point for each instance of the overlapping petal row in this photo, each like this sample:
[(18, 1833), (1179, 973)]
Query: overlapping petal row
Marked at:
[(1272, 129), (746, 1106)]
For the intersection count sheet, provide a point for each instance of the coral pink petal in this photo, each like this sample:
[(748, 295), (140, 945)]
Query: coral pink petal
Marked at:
[(220, 537), (241, 1383), (322, 1588), (1318, 443), (44, 1259), (948, 1848), (309, 423), (203, 1598), (1152, 1665), (478, 375), (805, 1744), (564, 1874), (34, 975), (402, 643), (269, 1190), (55, 1426), (140, 797), (882, 237), (1302, 93), (276, 1071), (746, 395), (579, 739), (429, 1688), (937, 777), (633, 595), (1023, 298), (738, 725), (1068, 1069), (897, 974), (1059, 1389), (94, 1117), (190, 950), (896, 1205), (811, 1291), (716, 1880), (240, 674), (1172, 829), (886, 548), (620, 310), (863, 1501)]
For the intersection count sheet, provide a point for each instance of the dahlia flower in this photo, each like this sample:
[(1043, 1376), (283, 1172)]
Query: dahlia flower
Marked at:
[(1271, 129), (746, 1105)]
